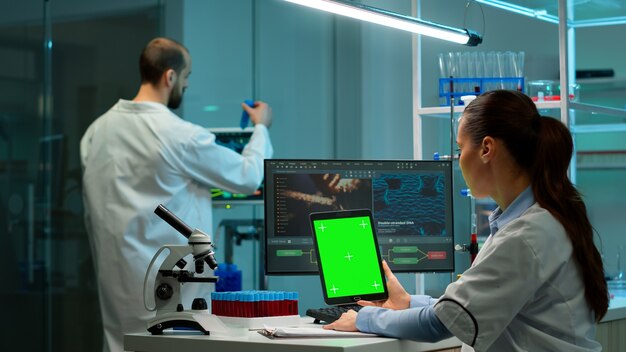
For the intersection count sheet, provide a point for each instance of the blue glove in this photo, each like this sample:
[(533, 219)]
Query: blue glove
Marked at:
[(245, 118)]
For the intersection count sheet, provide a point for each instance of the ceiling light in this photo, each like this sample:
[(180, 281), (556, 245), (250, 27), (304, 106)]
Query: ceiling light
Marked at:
[(391, 19)]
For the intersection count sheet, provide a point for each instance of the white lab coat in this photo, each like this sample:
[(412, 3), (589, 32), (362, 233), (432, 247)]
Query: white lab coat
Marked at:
[(523, 292), (135, 157)]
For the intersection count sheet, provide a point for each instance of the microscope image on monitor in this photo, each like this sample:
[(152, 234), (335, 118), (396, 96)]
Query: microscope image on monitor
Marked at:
[(302, 194)]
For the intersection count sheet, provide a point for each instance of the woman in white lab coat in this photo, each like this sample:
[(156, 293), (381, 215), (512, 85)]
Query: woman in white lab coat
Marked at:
[(538, 282)]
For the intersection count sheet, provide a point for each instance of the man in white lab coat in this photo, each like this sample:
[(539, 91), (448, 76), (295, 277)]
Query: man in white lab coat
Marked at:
[(139, 155)]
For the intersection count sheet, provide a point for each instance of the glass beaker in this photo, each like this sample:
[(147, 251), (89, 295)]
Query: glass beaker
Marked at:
[(542, 90)]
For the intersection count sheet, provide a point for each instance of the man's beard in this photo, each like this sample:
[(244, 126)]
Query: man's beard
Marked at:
[(175, 99)]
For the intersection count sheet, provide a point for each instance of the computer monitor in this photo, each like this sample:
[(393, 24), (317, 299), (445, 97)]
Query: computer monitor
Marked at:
[(235, 139), (411, 202)]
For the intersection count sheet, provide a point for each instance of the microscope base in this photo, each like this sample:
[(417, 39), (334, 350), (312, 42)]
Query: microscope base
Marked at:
[(183, 319)]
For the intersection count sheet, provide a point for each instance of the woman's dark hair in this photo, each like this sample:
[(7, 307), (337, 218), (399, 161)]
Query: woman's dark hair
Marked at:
[(543, 146), (160, 55)]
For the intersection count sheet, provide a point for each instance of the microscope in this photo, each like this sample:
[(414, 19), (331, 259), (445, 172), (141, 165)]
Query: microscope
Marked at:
[(170, 312)]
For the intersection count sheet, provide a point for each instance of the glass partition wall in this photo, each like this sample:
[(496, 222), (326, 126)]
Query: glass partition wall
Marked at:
[(63, 65)]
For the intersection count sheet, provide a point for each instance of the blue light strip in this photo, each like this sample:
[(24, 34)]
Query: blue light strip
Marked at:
[(538, 14), (544, 16), (610, 21)]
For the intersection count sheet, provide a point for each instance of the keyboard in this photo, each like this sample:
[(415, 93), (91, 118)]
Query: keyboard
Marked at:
[(330, 314)]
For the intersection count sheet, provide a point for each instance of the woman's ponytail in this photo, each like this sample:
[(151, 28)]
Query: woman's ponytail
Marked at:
[(554, 192)]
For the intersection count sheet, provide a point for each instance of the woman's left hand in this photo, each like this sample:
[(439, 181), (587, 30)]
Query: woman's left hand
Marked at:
[(347, 322)]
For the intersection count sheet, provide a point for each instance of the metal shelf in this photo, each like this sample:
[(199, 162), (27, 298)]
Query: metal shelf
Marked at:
[(598, 109), (613, 127), (601, 160), (444, 111)]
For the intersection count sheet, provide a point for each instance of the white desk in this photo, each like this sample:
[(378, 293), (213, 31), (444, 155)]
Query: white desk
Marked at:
[(608, 334), (255, 342)]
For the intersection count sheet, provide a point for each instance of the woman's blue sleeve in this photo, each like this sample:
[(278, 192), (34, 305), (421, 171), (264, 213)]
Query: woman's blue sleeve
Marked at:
[(421, 301), (420, 323)]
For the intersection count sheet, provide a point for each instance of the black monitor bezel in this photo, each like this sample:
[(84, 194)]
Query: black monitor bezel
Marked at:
[(264, 247)]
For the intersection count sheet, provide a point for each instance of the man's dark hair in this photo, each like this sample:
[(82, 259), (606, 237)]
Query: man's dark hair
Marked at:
[(160, 55)]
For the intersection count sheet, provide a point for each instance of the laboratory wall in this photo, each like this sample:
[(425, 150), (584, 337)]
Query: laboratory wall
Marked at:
[(338, 88), (318, 73), (333, 91)]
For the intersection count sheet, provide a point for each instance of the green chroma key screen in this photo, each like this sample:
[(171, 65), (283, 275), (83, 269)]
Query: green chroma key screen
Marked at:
[(347, 250)]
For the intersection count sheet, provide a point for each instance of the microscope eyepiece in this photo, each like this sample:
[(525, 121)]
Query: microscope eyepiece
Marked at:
[(211, 262), (173, 220)]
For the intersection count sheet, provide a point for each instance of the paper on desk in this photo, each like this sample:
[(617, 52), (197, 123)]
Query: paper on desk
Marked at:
[(310, 332)]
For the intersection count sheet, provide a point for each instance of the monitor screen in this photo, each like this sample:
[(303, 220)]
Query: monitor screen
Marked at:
[(235, 139), (411, 202)]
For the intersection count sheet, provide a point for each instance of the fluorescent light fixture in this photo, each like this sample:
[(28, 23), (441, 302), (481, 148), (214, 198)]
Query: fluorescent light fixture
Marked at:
[(394, 20)]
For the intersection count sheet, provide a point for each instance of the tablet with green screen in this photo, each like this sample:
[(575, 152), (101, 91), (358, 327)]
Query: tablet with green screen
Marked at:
[(348, 256)]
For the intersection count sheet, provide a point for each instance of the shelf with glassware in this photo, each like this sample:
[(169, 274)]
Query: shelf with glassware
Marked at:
[(546, 95), (473, 73), (500, 64), (601, 107), (444, 112)]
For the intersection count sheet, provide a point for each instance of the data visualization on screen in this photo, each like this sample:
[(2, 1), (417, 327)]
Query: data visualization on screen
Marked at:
[(235, 139), (411, 203)]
